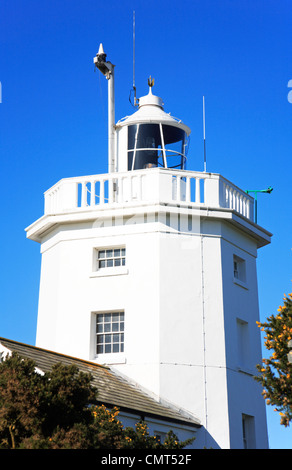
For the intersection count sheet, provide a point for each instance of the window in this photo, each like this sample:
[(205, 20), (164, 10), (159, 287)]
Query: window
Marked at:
[(248, 432), (109, 261), (155, 145), (112, 257), (160, 436), (243, 344), (239, 272), (110, 333), (235, 268)]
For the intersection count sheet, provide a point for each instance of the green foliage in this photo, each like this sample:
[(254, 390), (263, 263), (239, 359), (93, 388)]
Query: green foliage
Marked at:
[(111, 433), (19, 400), (33, 407), (58, 410), (276, 371)]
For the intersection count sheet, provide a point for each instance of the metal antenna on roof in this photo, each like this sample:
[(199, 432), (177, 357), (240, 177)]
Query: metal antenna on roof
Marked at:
[(204, 133), (134, 85)]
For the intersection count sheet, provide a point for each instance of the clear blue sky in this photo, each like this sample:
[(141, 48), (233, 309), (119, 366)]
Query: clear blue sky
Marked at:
[(237, 53)]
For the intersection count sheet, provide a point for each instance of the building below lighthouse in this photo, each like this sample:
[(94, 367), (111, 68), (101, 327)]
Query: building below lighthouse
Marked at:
[(150, 270)]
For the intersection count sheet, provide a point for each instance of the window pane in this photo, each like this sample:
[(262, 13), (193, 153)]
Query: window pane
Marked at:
[(107, 317), (118, 262), (99, 349), (100, 318), (115, 317), (107, 327), (109, 253), (100, 338), (122, 326), (101, 264), (147, 137), (123, 252), (107, 338), (107, 348), (99, 328), (101, 254), (116, 348), (110, 263), (116, 338), (174, 139), (117, 252), (123, 262), (115, 327)]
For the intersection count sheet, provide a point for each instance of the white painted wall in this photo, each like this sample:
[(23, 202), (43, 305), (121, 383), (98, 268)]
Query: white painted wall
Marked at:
[(180, 303)]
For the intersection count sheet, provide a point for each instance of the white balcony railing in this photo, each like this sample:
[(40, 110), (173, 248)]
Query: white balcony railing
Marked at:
[(151, 185)]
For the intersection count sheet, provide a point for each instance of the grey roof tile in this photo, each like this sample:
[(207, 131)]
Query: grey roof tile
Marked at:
[(113, 390)]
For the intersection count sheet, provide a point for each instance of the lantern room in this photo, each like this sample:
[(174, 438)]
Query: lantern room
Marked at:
[(151, 138)]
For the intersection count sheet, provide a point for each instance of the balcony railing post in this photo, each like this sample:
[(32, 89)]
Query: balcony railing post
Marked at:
[(101, 192), (198, 191), (84, 194), (178, 188), (188, 189), (92, 193)]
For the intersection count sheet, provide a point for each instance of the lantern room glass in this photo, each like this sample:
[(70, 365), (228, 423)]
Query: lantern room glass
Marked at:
[(156, 145)]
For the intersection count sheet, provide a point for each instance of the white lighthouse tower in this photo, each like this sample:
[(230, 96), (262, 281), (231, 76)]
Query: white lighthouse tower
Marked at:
[(151, 269)]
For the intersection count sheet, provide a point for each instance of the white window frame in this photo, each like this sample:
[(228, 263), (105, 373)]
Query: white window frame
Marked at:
[(239, 271), (106, 328), (111, 257), (108, 254)]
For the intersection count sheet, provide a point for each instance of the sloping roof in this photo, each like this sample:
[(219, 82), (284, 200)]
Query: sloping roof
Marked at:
[(113, 390)]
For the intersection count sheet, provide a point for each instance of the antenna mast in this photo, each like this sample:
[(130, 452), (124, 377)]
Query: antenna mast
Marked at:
[(204, 133), (107, 69), (134, 85)]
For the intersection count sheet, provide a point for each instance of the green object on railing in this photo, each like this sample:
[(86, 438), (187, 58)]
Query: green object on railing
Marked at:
[(256, 191)]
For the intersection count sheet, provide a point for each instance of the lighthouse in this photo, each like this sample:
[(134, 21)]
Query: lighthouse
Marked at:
[(150, 269)]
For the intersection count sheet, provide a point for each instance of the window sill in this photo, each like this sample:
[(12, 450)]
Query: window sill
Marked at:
[(103, 272), (240, 283), (113, 358)]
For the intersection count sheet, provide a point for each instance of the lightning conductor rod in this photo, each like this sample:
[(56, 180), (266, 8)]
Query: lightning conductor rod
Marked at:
[(204, 133), (134, 52), (107, 69)]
